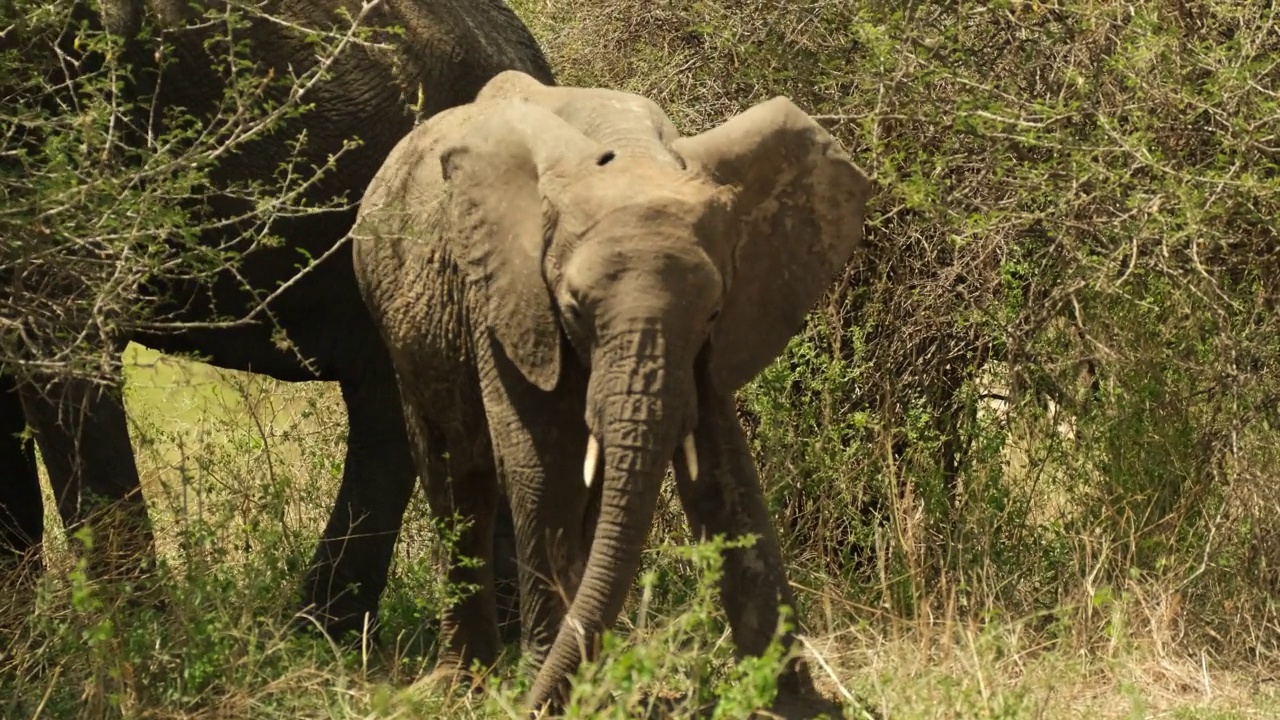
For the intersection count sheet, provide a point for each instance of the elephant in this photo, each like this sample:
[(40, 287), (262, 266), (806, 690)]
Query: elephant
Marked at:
[(572, 292), (449, 49)]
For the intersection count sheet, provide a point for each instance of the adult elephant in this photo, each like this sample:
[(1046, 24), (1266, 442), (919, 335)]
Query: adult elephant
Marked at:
[(448, 50), (572, 293)]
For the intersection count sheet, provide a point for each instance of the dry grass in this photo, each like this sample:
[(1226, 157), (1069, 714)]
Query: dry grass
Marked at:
[(222, 650)]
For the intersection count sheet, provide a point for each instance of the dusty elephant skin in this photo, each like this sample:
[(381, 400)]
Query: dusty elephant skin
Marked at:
[(571, 293), (450, 48)]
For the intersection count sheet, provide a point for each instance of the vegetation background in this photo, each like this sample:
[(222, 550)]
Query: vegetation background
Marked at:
[(1023, 459)]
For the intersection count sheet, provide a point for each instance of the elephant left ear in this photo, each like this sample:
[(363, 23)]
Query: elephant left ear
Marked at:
[(799, 210)]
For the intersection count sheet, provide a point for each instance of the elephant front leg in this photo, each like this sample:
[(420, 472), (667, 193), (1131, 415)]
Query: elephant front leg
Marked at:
[(539, 443), (726, 500), (551, 551), (84, 438)]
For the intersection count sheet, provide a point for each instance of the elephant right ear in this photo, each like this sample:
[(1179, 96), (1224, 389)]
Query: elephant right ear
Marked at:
[(497, 174)]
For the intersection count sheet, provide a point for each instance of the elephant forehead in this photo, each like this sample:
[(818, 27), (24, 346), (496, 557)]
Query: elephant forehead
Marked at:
[(638, 186), (596, 108), (639, 227), (642, 254), (646, 215)]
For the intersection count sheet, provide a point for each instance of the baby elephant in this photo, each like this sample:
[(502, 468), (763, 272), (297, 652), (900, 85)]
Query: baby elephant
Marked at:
[(572, 293)]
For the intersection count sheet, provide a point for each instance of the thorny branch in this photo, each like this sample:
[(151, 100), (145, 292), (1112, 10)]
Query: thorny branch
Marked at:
[(93, 220)]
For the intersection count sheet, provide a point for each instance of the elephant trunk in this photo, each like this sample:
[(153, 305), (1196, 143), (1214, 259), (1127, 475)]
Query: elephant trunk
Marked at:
[(634, 412)]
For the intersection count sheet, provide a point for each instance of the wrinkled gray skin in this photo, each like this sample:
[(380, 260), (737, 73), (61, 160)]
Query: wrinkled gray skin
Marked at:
[(450, 49), (553, 264)]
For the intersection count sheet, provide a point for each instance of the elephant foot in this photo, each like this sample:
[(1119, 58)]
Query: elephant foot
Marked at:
[(669, 707), (335, 606), (346, 623), (121, 552), (655, 706), (349, 627), (450, 675), (799, 699), (812, 705)]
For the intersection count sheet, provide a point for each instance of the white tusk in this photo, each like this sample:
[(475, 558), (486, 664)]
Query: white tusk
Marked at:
[(691, 457), (593, 459)]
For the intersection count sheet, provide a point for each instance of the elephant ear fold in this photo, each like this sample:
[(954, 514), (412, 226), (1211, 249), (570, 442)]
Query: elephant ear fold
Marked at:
[(798, 216), (497, 174)]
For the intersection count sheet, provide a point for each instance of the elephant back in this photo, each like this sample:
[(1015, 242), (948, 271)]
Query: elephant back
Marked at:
[(373, 93), (439, 56)]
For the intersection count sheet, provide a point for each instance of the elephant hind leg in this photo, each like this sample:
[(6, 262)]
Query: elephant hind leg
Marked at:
[(84, 437), (462, 491), (349, 569), (504, 565)]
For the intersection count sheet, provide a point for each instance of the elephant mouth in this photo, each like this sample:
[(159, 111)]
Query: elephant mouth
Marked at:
[(688, 451)]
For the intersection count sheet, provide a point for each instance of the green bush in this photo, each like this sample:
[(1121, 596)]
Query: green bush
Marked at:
[(1055, 367), (103, 194)]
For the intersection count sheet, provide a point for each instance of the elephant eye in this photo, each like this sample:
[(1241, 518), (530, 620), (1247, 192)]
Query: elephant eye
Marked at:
[(715, 314)]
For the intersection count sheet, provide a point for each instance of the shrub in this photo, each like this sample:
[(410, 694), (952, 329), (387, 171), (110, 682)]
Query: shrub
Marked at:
[(1056, 364)]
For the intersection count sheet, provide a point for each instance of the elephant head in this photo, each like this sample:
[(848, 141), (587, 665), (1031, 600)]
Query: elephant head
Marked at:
[(659, 263)]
